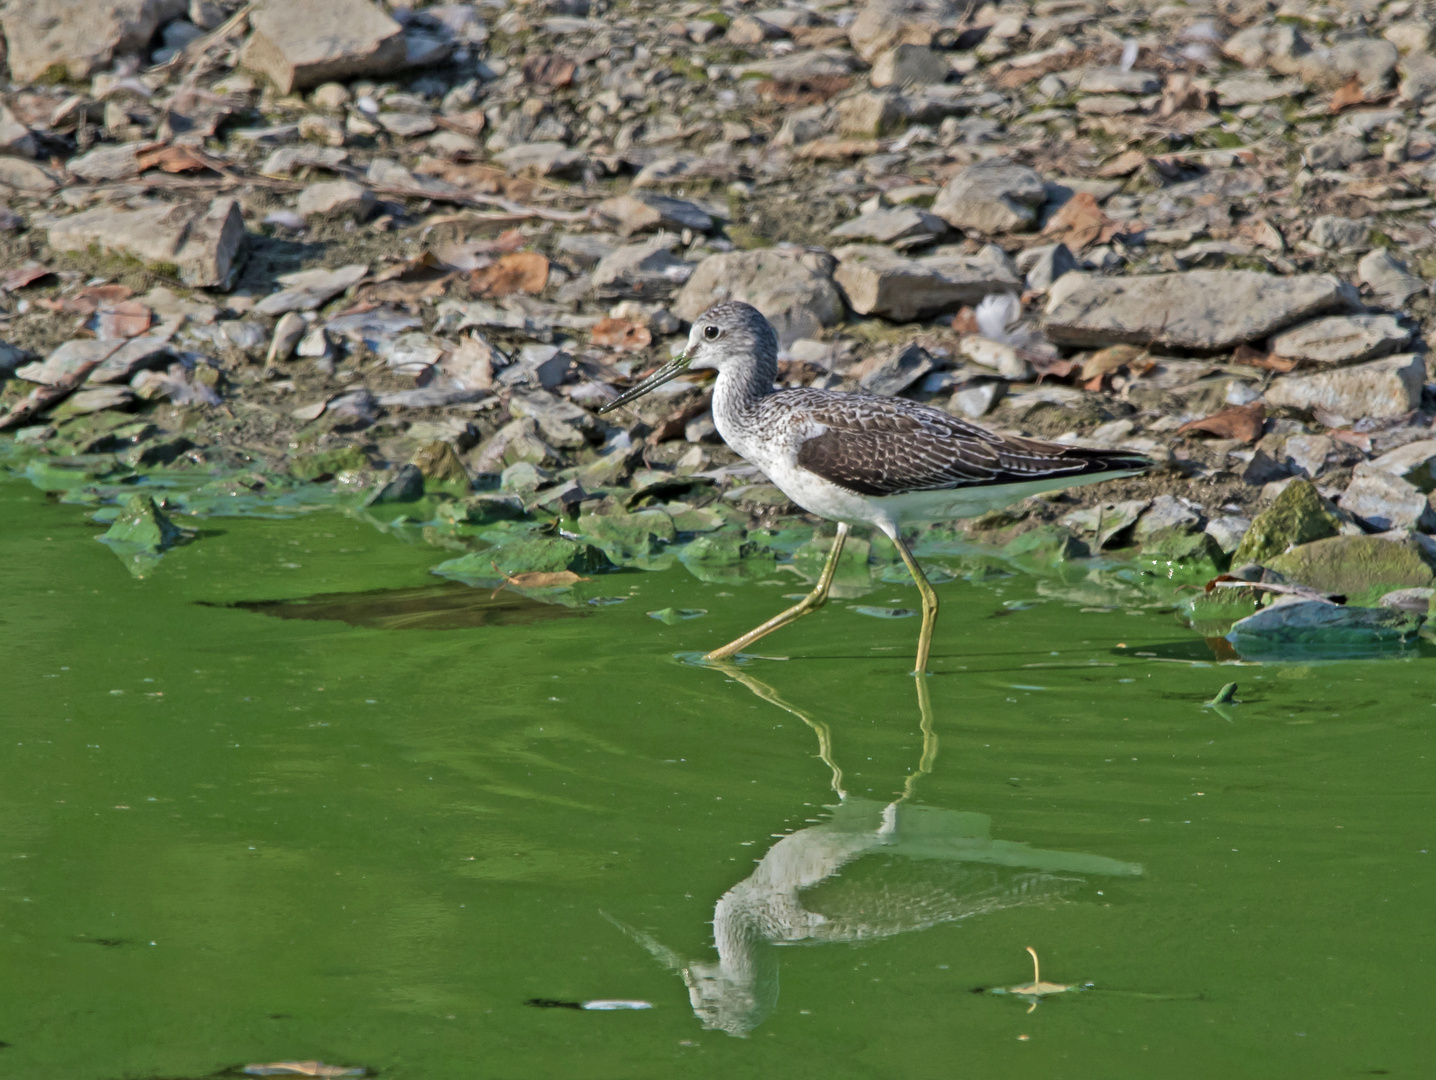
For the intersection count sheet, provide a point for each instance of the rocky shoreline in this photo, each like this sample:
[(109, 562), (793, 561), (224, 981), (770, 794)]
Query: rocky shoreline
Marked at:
[(263, 257)]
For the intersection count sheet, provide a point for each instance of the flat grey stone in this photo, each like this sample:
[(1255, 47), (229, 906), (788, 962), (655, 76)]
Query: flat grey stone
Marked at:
[(302, 43), (1335, 151), (1341, 339), (794, 289), (106, 162), (1113, 80), (1384, 389), (644, 210), (636, 271), (336, 198), (880, 282), (78, 36), (1329, 231), (891, 224), (539, 159), (200, 240), (1415, 463), (290, 159), (306, 290), (1388, 278), (1200, 310), (991, 197), (1382, 501), (136, 354), (908, 65)]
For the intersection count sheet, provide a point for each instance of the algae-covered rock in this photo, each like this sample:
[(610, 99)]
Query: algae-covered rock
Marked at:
[(726, 558), (482, 510), (1298, 515), (1212, 614), (1312, 628), (1047, 544), (141, 534), (853, 577), (407, 486), (538, 555), (1362, 568), (1175, 552), (628, 539), (440, 465), (326, 463)]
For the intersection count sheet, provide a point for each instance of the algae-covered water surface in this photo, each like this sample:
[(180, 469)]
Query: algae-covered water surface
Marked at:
[(291, 797)]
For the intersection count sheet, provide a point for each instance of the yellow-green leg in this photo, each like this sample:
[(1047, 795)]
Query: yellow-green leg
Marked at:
[(814, 600), (929, 605)]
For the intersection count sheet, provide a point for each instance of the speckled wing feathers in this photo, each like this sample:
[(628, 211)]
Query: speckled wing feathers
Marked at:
[(884, 446)]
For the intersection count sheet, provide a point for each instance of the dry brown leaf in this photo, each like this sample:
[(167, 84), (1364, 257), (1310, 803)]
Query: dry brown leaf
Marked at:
[(27, 274), (1106, 361), (89, 300), (1248, 354), (625, 335), (523, 271), (549, 70), (1347, 95), (811, 91), (1241, 422), (1080, 221), (469, 255), (127, 319), (174, 159), (1124, 164), (300, 1068), (539, 579)]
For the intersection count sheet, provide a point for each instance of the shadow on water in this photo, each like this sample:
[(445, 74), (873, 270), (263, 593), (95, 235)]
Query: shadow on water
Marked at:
[(450, 606), (871, 870)]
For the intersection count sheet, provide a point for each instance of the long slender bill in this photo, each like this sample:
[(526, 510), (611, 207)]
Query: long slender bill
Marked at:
[(671, 370)]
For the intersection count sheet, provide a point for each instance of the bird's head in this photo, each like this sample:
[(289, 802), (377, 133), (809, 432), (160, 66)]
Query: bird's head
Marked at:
[(724, 334)]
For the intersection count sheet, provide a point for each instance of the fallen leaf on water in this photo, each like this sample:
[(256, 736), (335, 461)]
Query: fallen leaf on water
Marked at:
[(300, 1068), (523, 271), (540, 579), (625, 335), (1241, 422), (1037, 989)]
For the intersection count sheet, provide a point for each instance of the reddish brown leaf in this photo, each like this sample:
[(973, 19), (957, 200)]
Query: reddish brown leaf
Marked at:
[(173, 159), (811, 91), (539, 579), (127, 319), (1247, 354), (1347, 95), (624, 335), (965, 321), (1357, 439), (1241, 422), (89, 300), (21, 276), (549, 70), (1108, 360), (523, 271), (1079, 222)]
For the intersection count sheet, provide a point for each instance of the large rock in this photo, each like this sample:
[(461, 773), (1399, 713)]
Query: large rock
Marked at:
[(1370, 61), (198, 240), (1278, 47), (1379, 388), (1415, 463), (891, 225), (885, 24), (1341, 339), (906, 65), (117, 365), (1313, 629), (302, 43), (1381, 501), (641, 270), (1388, 278), (1355, 566), (991, 196), (1298, 515), (1418, 78), (793, 289), (78, 36), (1201, 310), (879, 282)]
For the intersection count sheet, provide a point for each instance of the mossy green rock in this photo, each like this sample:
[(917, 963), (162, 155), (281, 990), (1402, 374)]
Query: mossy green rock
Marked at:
[(539, 555), (440, 465), (143, 526), (1298, 515), (1363, 568), (854, 576), (1048, 543), (628, 536), (726, 558), (326, 463), (1177, 553), (1316, 629)]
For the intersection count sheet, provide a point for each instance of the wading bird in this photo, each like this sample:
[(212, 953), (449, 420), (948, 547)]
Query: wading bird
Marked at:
[(862, 459)]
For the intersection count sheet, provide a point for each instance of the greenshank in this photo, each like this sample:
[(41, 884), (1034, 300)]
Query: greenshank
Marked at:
[(864, 459)]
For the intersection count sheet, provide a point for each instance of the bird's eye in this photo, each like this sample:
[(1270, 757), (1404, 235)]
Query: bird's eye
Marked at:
[(711, 332)]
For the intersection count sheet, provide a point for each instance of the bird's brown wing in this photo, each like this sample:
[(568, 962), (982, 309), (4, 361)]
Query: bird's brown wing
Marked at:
[(883, 446)]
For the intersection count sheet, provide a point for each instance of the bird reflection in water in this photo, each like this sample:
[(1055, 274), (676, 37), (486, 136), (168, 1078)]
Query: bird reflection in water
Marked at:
[(904, 867)]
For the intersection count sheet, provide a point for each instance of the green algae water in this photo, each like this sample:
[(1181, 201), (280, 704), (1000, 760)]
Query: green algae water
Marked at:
[(292, 797)]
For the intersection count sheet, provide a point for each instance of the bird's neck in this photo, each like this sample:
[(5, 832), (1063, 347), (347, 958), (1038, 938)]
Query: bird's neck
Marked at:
[(741, 386)]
